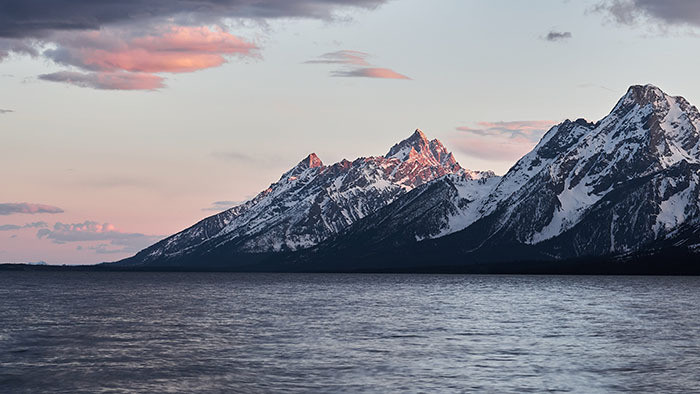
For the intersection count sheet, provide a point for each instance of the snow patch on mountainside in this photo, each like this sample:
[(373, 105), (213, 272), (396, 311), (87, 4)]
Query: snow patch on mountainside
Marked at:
[(471, 193), (674, 210), (573, 203)]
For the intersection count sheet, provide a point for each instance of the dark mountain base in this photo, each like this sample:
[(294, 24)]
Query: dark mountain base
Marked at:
[(667, 262)]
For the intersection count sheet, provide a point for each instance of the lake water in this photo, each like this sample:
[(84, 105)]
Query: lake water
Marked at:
[(227, 332)]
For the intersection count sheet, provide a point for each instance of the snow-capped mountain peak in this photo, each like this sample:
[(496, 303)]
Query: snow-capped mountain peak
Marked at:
[(413, 146), (417, 146), (641, 95), (311, 161), (577, 164), (312, 201), (668, 125)]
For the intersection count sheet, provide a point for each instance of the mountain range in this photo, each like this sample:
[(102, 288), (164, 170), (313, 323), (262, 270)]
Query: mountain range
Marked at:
[(620, 195)]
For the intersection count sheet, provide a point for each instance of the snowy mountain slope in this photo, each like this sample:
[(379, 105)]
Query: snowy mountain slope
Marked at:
[(312, 201), (586, 189), (637, 213), (422, 213), (577, 163)]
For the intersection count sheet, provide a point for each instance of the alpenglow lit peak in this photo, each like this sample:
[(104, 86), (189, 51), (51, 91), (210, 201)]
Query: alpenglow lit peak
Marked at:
[(417, 147), (312, 201)]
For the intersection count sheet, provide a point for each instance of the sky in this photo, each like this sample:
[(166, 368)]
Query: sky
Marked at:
[(124, 122)]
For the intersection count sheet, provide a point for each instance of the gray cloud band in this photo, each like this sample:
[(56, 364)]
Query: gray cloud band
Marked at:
[(671, 12), (27, 208), (39, 18)]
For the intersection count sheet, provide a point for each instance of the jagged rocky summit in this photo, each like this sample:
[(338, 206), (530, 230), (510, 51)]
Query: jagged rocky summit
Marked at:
[(312, 202), (623, 189)]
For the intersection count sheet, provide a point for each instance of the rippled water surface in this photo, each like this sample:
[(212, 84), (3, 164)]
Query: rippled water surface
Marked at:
[(227, 332)]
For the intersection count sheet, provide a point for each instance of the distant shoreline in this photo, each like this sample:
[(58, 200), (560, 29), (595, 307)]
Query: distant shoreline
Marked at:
[(570, 267)]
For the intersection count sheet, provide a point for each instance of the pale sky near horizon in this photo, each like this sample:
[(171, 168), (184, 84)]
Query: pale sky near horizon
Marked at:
[(118, 169)]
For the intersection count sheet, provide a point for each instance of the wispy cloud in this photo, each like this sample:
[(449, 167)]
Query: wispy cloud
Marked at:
[(356, 65), (13, 227), (528, 129), (218, 206), (345, 56), (370, 72), (94, 231), (268, 160), (104, 248), (28, 208), (107, 80), (593, 85), (500, 140), (557, 35)]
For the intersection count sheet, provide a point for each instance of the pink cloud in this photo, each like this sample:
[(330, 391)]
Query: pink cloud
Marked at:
[(492, 149), (122, 60), (91, 231), (370, 72), (500, 140), (530, 129), (85, 227), (172, 49), (107, 80), (358, 60)]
